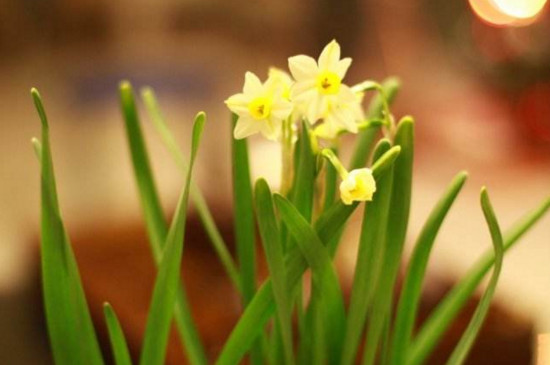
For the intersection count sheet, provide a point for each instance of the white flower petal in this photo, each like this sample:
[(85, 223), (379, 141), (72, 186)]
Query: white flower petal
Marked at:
[(281, 109), (345, 118), (271, 129), (329, 56), (279, 75), (246, 127), (346, 95), (238, 103), (302, 67), (252, 84), (315, 108), (300, 88), (342, 66)]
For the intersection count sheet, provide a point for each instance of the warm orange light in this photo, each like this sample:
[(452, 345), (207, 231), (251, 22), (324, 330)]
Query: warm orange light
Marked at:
[(487, 11), (521, 9), (508, 12)]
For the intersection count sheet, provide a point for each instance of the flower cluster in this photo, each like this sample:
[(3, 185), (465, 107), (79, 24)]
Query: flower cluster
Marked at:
[(314, 91)]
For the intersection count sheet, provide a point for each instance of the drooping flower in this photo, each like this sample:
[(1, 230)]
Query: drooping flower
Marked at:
[(358, 185), (319, 91), (261, 108)]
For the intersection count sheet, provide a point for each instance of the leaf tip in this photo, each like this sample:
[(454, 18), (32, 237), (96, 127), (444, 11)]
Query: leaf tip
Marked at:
[(146, 91), (407, 120), (201, 116), (125, 85), (484, 195), (463, 176), (34, 92)]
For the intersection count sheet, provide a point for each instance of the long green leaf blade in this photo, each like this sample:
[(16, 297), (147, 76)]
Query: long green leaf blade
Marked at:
[(154, 217), (261, 307), (119, 346), (303, 187), (198, 199), (331, 176), (412, 286), (462, 350), (396, 229), (370, 257), (243, 216), (168, 277), (271, 239), (70, 327), (155, 222), (444, 314), (324, 276)]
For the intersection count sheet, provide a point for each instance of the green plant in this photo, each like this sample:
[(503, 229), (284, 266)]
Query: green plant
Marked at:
[(300, 229)]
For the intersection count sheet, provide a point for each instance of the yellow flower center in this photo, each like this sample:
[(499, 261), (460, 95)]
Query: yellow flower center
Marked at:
[(328, 83), (260, 108)]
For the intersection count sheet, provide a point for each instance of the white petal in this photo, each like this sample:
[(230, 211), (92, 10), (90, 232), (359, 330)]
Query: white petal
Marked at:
[(315, 108), (300, 88), (252, 84), (246, 127), (357, 111), (345, 119), (280, 75), (329, 56), (281, 109), (271, 129), (302, 67), (238, 103), (342, 66), (346, 95)]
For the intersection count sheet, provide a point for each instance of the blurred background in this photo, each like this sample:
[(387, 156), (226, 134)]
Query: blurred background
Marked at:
[(475, 75)]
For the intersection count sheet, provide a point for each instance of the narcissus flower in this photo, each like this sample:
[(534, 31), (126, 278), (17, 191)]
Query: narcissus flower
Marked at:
[(358, 185), (343, 116), (320, 93), (261, 108)]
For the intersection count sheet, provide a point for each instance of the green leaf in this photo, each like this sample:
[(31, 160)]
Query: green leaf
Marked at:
[(331, 176), (325, 279), (261, 307), (154, 217), (118, 341), (433, 328), (168, 277), (304, 183), (205, 215), (72, 335), (462, 350), (271, 239), (370, 257), (301, 195), (245, 233), (243, 216), (396, 229), (367, 136), (412, 286), (155, 221)]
